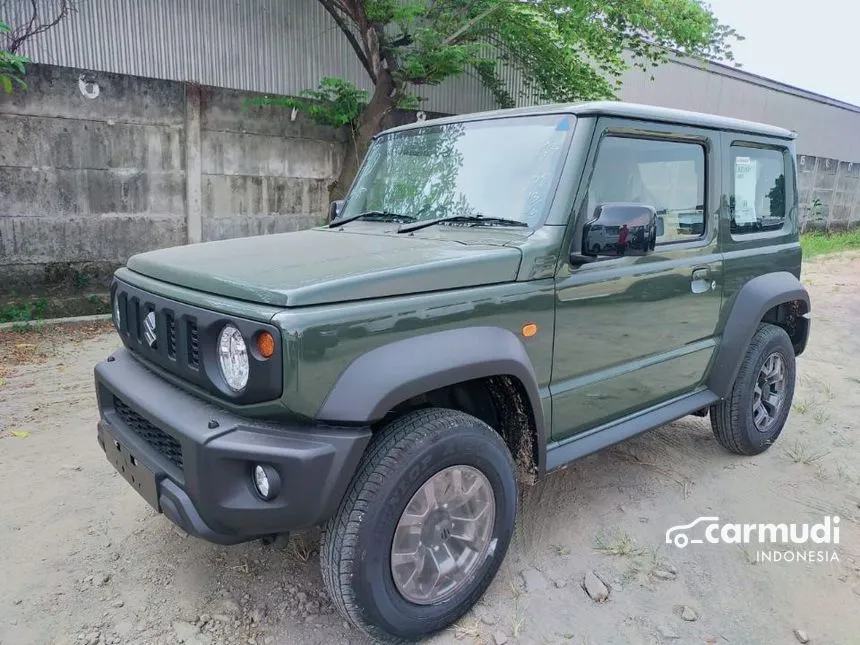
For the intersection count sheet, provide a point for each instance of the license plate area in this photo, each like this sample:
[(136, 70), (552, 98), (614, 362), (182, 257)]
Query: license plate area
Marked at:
[(136, 474)]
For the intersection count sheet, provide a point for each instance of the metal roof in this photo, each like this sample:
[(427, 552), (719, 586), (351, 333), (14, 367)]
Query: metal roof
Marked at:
[(618, 108)]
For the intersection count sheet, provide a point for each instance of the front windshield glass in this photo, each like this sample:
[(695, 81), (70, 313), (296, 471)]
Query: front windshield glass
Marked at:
[(504, 168)]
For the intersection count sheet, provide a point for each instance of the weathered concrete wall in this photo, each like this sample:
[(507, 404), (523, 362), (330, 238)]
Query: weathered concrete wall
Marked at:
[(829, 193), (262, 170), (87, 182)]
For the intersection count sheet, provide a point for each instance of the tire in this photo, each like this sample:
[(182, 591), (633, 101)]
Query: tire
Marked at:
[(357, 542), (732, 419)]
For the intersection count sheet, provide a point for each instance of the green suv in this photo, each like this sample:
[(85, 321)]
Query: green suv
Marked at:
[(499, 295)]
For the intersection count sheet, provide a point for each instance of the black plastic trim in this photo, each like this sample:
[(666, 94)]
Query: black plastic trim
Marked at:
[(195, 359), (751, 303), (562, 453), (382, 378), (213, 495)]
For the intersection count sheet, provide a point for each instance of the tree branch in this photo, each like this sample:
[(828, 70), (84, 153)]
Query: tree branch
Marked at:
[(332, 8), (474, 21), (19, 36)]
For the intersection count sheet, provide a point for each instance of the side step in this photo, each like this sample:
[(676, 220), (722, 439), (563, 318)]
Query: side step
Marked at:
[(561, 453)]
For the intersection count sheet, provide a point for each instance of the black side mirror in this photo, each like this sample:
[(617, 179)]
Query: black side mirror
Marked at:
[(334, 210), (620, 229)]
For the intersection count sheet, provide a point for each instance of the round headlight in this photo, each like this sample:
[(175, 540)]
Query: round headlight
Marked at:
[(233, 358)]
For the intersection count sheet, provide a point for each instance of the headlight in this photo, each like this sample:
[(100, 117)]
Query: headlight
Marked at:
[(233, 358), (117, 317)]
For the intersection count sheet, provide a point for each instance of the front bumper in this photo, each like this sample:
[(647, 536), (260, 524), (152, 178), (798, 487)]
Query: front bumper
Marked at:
[(193, 461)]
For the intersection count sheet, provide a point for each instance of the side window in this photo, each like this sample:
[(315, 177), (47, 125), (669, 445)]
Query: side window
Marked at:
[(668, 175), (758, 189)]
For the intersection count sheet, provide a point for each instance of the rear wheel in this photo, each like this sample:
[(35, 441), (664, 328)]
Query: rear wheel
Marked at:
[(752, 417), (423, 527)]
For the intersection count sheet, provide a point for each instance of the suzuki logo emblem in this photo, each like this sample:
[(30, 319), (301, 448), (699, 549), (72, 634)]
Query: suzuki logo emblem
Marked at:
[(149, 329)]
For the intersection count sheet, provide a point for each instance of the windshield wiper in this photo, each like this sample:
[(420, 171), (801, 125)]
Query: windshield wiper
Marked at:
[(472, 220), (376, 216)]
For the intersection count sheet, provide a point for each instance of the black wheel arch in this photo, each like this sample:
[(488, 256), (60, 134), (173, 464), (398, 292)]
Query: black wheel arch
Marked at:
[(378, 381), (779, 298)]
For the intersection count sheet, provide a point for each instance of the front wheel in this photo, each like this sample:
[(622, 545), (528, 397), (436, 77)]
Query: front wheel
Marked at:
[(751, 418), (423, 527)]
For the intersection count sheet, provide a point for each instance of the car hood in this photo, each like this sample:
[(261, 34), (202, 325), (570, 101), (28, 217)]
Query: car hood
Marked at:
[(320, 266)]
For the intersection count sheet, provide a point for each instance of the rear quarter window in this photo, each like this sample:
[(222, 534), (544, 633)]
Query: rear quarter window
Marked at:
[(758, 198)]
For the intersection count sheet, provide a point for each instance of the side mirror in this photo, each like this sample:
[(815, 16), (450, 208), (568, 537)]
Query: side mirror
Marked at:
[(620, 229), (334, 210)]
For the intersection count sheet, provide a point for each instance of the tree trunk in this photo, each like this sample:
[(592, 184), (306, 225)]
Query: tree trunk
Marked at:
[(370, 122)]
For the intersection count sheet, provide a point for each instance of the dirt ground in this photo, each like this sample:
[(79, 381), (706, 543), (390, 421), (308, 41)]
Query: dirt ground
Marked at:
[(84, 560)]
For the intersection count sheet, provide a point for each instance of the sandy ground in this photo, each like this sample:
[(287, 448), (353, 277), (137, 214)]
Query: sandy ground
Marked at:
[(84, 560)]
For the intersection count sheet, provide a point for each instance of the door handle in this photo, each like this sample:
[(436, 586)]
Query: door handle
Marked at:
[(702, 273), (701, 280)]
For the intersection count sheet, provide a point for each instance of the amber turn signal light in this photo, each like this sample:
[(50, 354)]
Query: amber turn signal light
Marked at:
[(265, 344), (529, 330)]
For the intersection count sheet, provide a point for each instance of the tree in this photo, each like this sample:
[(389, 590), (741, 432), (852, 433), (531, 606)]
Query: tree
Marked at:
[(12, 66), (36, 17), (566, 50)]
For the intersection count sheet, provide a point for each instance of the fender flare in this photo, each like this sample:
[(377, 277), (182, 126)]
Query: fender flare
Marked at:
[(388, 375), (751, 303)]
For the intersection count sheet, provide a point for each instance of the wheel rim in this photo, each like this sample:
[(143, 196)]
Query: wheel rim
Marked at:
[(443, 535), (769, 393)]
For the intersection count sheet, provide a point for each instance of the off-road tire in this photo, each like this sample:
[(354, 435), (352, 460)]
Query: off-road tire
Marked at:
[(732, 418), (356, 542)]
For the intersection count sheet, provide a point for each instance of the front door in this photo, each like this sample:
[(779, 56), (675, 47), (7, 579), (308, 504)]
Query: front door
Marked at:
[(633, 332)]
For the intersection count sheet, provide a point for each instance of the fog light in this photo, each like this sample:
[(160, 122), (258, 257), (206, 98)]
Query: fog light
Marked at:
[(267, 483)]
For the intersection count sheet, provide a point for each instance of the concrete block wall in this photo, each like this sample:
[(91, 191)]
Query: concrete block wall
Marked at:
[(263, 170), (829, 193), (86, 182), (91, 173)]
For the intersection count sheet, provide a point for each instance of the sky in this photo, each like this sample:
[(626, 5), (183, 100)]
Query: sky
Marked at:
[(811, 44)]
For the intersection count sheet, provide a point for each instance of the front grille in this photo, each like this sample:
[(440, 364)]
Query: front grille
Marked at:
[(178, 336), (158, 439), (193, 345)]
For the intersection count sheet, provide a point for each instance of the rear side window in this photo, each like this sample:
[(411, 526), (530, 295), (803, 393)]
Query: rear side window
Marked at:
[(758, 189)]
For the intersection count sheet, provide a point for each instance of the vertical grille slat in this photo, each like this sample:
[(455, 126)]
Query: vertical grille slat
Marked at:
[(193, 345), (135, 302), (171, 334)]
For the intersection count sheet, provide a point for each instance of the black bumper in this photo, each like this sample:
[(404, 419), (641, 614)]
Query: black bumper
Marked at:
[(193, 461)]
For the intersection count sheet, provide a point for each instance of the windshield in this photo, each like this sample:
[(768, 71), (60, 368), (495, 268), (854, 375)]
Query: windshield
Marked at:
[(503, 168)]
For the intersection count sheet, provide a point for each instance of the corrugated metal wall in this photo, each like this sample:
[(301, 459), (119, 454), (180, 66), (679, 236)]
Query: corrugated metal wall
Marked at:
[(825, 127), (273, 46)]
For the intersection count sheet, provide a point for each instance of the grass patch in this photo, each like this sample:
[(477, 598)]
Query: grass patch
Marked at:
[(820, 243), (23, 311), (620, 545), (821, 417), (800, 453), (803, 406)]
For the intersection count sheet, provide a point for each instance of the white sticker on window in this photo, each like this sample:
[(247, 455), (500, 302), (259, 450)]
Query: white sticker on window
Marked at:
[(745, 190)]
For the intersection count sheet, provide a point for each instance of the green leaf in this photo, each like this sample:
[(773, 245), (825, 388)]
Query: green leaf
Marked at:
[(6, 82)]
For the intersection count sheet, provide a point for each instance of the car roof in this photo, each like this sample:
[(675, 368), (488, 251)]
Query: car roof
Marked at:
[(615, 108)]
